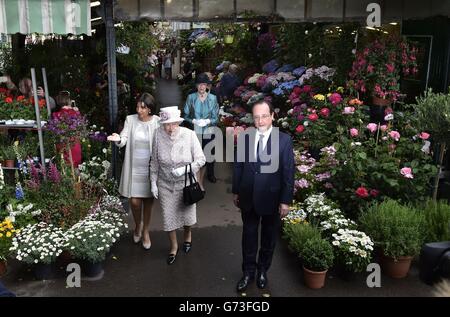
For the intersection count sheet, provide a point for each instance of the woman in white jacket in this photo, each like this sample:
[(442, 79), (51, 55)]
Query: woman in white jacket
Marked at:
[(174, 148), (137, 135)]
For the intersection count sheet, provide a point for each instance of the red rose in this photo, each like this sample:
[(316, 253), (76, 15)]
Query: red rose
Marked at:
[(362, 192), (300, 128), (374, 192), (325, 112), (313, 117), (8, 100), (20, 98)]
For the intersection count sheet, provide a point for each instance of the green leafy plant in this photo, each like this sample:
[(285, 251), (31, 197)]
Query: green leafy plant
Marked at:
[(317, 254), (433, 114), (437, 221), (296, 235), (8, 152), (396, 229)]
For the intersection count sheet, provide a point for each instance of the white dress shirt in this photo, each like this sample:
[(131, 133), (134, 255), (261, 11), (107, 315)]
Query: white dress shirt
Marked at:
[(265, 139)]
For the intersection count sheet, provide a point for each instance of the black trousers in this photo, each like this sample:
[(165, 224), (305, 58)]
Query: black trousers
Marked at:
[(209, 165), (270, 227)]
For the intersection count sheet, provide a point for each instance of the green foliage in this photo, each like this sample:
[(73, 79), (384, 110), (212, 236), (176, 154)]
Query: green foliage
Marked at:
[(437, 221), (433, 113), (297, 235), (7, 152), (136, 36), (317, 254), (395, 228)]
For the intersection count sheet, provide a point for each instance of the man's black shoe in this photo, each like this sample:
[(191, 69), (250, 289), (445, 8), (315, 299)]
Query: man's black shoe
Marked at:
[(261, 280), (244, 282)]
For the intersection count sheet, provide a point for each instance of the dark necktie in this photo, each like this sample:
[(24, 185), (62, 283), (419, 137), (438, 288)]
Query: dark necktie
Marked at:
[(259, 148)]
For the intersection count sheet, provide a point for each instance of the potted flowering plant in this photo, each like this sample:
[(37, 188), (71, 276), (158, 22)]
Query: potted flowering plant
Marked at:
[(378, 66), (39, 245), (317, 256), (91, 239), (7, 232), (68, 129), (353, 250)]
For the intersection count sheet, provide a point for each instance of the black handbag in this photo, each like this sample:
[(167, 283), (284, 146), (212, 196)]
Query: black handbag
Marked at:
[(192, 193)]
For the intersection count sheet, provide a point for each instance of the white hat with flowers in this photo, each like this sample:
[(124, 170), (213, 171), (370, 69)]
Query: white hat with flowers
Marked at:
[(170, 114)]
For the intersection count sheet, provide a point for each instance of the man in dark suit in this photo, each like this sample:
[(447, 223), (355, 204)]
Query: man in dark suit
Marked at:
[(263, 187)]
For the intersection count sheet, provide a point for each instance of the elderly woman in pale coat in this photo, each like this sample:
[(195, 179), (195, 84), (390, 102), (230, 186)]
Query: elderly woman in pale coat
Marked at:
[(174, 148), (137, 135)]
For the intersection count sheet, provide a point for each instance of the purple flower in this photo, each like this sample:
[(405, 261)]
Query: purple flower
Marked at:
[(53, 174), (301, 183), (323, 176)]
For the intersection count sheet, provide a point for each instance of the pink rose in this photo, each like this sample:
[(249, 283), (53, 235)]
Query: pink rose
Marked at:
[(372, 127), (354, 132), (383, 127), (325, 112), (335, 98), (313, 117), (406, 172), (349, 110), (374, 192), (424, 135), (362, 192), (300, 128), (394, 135)]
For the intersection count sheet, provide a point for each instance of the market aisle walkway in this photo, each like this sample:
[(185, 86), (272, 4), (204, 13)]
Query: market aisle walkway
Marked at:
[(213, 266), (168, 93)]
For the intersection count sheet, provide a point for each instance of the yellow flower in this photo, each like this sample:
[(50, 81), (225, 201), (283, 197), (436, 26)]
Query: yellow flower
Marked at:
[(329, 94), (1, 235), (8, 234), (319, 97), (340, 89)]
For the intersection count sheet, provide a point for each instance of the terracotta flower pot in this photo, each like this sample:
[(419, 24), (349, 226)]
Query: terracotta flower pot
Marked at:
[(396, 269), (377, 101), (9, 163), (3, 267), (313, 279)]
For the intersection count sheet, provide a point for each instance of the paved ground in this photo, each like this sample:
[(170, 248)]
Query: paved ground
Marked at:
[(211, 269)]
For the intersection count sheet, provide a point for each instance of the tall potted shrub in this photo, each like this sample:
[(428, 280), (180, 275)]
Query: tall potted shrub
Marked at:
[(397, 232), (317, 256), (433, 113)]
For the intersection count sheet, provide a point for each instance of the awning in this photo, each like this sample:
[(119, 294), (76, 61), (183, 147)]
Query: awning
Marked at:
[(277, 10), (45, 16)]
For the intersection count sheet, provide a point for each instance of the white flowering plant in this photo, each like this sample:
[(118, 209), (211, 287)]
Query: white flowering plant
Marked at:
[(320, 209), (38, 243), (92, 238), (352, 249), (96, 172)]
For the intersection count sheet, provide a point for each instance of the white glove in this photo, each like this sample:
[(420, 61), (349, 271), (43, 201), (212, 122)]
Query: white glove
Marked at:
[(177, 172), (154, 190), (207, 121), (201, 123), (195, 121)]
